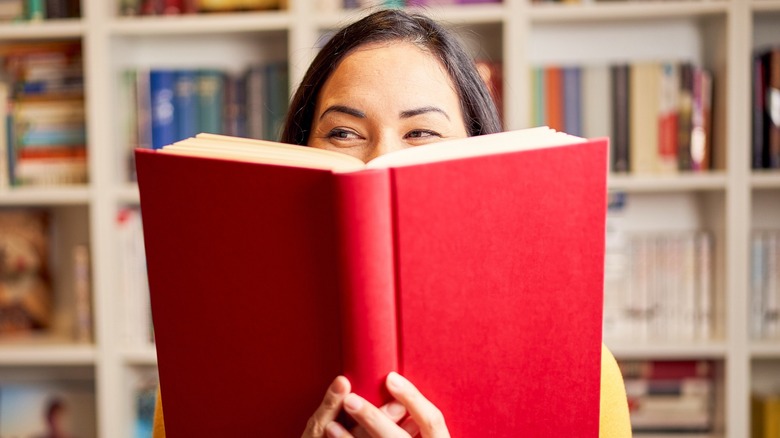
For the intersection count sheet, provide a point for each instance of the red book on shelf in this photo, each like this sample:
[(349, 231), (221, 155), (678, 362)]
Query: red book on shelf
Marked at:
[(474, 267)]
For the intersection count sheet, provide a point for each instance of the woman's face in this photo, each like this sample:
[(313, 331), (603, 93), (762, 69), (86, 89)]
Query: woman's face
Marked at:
[(384, 97)]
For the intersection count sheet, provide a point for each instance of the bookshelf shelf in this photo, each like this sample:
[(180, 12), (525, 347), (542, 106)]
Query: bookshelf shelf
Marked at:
[(76, 195), (457, 15), (624, 11), (766, 5), (710, 181), (668, 350), (47, 355), (765, 180), (128, 194), (765, 349), (65, 28), (140, 356), (199, 24)]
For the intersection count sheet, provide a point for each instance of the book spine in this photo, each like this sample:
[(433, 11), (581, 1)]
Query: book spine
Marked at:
[(772, 106), (368, 282), (757, 275), (161, 85), (620, 155), (758, 112), (186, 104), (572, 93), (211, 101)]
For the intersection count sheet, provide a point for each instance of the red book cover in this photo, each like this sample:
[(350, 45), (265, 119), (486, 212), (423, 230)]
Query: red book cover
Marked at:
[(478, 277)]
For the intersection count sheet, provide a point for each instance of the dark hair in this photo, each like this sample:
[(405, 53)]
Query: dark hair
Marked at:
[(479, 111)]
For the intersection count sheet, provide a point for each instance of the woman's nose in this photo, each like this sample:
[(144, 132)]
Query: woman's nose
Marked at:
[(386, 144)]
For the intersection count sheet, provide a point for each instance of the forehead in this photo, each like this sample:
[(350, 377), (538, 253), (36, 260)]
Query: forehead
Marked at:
[(395, 72)]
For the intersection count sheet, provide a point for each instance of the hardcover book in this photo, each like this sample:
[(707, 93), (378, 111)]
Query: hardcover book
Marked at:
[(473, 267)]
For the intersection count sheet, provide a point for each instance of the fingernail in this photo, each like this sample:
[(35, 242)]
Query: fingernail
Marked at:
[(334, 430), (395, 380), (395, 409), (353, 402), (338, 386)]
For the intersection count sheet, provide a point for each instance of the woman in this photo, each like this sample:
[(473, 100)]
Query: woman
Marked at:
[(388, 82)]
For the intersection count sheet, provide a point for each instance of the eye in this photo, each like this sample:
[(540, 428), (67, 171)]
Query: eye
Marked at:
[(422, 134), (342, 134)]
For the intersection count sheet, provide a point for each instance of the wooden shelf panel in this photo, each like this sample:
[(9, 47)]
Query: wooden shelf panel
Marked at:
[(35, 354), (142, 355), (765, 179), (202, 23), (459, 14), (668, 350), (682, 182), (627, 10), (41, 30), (43, 196)]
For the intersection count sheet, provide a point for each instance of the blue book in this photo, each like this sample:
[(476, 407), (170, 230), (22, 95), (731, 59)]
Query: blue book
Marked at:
[(161, 85), (572, 108), (277, 92), (185, 103), (211, 96)]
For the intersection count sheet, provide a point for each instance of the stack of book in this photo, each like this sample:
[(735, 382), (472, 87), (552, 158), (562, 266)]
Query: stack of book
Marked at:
[(669, 396), (659, 287), (44, 135), (657, 114)]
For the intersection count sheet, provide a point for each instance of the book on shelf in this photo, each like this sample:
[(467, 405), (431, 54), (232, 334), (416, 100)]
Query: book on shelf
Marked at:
[(161, 106), (764, 415), (766, 108), (765, 284), (670, 396), (473, 266), (48, 408), (25, 282), (658, 285), (657, 114), (136, 319), (82, 293), (180, 7)]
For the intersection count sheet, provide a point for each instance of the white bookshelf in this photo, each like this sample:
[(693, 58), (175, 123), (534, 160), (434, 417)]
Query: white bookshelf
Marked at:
[(729, 201)]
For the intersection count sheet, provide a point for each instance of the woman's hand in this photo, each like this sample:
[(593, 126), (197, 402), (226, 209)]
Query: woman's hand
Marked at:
[(424, 418)]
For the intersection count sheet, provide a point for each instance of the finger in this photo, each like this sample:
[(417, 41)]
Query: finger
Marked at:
[(394, 411), (335, 430), (426, 416), (328, 409), (410, 426), (375, 422)]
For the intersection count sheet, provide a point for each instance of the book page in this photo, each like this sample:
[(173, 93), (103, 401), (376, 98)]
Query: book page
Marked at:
[(263, 151), (268, 152), (491, 144)]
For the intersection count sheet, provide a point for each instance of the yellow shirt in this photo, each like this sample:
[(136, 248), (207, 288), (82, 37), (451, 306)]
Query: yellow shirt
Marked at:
[(613, 415)]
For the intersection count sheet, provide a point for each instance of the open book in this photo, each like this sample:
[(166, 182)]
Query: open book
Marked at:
[(474, 267)]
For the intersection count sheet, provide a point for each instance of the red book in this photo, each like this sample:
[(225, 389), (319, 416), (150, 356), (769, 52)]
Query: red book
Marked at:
[(474, 267)]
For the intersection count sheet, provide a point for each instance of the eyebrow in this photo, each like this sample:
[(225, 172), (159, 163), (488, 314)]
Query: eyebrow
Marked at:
[(404, 114), (344, 109), (423, 110)]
